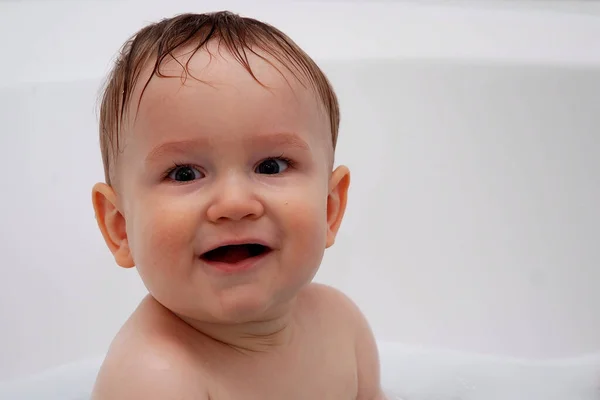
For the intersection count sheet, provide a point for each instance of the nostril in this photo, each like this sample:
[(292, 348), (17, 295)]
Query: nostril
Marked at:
[(235, 208)]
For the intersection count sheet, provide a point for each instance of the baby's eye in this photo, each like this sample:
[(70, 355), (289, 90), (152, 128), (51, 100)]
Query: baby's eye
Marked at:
[(185, 173), (272, 166)]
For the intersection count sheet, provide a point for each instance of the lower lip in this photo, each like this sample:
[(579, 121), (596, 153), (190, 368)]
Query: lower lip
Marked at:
[(241, 266)]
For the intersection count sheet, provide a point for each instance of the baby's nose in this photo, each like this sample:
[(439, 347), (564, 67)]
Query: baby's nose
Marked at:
[(235, 200)]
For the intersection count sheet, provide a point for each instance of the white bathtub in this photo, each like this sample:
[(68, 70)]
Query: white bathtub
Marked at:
[(407, 374), (472, 127)]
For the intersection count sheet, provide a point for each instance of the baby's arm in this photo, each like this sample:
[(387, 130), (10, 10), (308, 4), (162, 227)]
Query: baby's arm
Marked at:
[(367, 359), (367, 356)]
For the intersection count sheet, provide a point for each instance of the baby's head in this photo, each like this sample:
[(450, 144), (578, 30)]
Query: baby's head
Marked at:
[(217, 135)]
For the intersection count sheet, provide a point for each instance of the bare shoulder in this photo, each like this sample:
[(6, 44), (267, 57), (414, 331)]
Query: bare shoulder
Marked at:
[(149, 361), (336, 303), (339, 305)]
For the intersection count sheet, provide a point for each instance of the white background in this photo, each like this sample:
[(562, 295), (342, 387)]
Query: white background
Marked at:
[(472, 135)]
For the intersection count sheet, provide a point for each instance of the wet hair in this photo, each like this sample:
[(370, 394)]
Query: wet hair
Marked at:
[(239, 35)]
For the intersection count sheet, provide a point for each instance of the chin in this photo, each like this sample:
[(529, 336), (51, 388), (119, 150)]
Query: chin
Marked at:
[(250, 305)]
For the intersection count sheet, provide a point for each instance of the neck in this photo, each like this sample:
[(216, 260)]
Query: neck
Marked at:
[(261, 336)]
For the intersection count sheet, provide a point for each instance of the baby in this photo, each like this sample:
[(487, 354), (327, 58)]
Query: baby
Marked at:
[(217, 135)]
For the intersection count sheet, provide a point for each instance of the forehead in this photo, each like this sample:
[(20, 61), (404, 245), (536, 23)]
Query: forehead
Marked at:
[(210, 92)]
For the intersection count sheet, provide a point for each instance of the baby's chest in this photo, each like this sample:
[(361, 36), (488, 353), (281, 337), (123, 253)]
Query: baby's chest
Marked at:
[(320, 384), (305, 376)]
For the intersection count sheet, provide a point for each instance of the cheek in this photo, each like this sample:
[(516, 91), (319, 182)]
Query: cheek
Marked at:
[(162, 232), (306, 219)]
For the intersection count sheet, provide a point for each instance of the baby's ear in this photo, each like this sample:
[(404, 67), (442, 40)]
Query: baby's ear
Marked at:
[(336, 201), (112, 223)]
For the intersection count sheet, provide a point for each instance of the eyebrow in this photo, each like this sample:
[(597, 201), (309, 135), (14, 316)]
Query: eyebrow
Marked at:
[(173, 148), (280, 139), (287, 139)]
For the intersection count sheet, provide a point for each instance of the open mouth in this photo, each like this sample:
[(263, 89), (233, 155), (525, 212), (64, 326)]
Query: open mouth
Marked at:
[(233, 254)]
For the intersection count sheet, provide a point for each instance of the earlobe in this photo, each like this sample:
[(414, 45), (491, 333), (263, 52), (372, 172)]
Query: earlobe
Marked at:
[(336, 202), (112, 224)]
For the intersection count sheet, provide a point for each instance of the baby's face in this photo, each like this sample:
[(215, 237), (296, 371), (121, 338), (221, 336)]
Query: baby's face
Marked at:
[(221, 162)]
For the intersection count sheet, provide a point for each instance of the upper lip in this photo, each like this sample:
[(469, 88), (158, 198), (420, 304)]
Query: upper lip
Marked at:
[(233, 242)]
